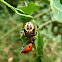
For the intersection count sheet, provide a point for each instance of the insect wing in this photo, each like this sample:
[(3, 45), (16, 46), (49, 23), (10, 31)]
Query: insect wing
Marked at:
[(27, 48)]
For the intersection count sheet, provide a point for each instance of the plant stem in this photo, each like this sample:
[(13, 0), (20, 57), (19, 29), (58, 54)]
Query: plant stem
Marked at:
[(13, 8), (16, 10), (40, 14), (46, 23)]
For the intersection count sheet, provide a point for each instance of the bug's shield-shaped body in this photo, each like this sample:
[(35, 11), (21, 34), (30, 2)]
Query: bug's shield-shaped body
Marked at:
[(29, 30)]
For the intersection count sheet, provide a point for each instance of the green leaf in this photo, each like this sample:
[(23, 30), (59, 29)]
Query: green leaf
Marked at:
[(38, 59), (61, 1), (39, 47), (30, 8), (46, 1), (57, 8), (39, 44)]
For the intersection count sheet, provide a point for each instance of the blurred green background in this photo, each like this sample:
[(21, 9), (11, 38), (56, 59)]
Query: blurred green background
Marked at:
[(11, 25)]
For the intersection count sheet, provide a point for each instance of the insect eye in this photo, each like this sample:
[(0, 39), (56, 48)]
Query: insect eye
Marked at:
[(29, 46)]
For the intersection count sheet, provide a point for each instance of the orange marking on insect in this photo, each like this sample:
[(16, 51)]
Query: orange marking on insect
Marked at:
[(27, 48)]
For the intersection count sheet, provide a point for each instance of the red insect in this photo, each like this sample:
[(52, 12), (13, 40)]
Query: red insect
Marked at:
[(27, 48)]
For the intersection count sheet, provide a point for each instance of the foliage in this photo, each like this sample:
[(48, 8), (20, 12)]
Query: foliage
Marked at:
[(31, 7), (57, 8), (48, 42), (46, 1)]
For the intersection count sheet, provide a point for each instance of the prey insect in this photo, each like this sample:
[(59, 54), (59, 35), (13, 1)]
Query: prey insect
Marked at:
[(27, 48)]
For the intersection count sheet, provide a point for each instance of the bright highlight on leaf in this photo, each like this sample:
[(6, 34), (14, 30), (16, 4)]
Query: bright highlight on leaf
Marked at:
[(57, 8)]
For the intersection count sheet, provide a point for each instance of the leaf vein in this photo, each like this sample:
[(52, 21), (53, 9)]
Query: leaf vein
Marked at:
[(57, 8)]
